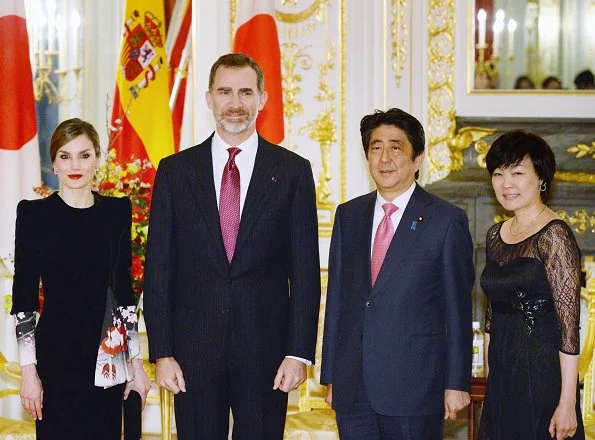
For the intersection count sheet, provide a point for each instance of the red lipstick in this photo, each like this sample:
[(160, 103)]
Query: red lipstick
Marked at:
[(75, 176)]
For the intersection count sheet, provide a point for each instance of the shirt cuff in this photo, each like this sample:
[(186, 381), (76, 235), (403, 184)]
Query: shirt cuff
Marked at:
[(305, 361)]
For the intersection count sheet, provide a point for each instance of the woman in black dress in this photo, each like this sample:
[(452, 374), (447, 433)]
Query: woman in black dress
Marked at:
[(532, 280), (67, 240)]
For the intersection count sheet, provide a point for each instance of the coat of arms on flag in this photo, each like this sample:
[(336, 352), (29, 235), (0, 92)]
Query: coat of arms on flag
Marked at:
[(141, 101), (139, 54)]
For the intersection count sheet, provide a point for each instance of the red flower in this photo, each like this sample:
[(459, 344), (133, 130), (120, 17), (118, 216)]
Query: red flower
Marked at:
[(106, 186)]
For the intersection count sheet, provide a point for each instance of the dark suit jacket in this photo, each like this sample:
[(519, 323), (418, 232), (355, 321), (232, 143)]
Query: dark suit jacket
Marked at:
[(410, 335), (261, 307)]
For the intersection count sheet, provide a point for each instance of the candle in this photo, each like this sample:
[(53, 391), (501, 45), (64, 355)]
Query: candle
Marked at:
[(511, 28), (41, 36), (498, 28), (51, 25), (500, 15), (76, 24), (481, 20), (62, 44)]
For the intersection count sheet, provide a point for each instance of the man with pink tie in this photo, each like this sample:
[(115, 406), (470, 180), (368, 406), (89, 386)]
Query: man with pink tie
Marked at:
[(232, 287), (397, 336)]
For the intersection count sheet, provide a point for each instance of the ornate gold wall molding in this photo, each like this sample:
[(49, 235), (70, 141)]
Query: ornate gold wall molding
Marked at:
[(398, 31), (580, 222), (573, 177), (582, 150), (292, 57), (459, 142), (300, 32), (441, 102), (482, 148), (323, 130)]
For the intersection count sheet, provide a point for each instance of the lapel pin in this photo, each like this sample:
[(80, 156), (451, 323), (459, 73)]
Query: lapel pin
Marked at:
[(413, 225), (420, 218), (274, 179)]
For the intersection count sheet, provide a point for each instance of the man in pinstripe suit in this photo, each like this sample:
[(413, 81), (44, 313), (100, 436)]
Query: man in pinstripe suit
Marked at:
[(232, 325)]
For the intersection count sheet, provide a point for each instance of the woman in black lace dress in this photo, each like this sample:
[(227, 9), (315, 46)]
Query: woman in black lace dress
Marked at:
[(66, 240), (532, 280)]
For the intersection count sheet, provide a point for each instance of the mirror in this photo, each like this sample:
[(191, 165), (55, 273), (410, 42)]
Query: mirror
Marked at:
[(533, 44)]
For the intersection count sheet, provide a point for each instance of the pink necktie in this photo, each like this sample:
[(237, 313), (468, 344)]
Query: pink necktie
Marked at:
[(384, 235), (229, 203)]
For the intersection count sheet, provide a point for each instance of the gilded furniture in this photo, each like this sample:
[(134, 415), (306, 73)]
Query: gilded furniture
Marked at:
[(10, 428), (586, 357), (315, 419)]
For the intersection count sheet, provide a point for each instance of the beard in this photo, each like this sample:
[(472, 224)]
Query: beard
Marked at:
[(236, 127)]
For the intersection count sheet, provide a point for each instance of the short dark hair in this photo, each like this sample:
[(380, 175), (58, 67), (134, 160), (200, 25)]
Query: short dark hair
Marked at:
[(69, 130), (237, 61), (523, 79), (585, 80), (511, 148), (400, 119), (550, 80)]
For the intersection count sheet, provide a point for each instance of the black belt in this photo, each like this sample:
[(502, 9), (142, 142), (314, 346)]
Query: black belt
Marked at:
[(529, 308)]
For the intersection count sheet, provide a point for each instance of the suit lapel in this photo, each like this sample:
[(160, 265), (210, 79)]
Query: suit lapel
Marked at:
[(365, 233), (202, 187), (259, 189), (412, 224)]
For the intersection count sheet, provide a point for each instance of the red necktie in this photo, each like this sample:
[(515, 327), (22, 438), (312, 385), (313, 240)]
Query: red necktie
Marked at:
[(229, 203), (384, 235)]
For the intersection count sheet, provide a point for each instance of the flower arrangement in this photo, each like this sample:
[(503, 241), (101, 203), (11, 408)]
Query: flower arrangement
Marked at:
[(129, 179)]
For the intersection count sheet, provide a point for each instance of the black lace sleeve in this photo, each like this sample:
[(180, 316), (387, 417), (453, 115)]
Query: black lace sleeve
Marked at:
[(561, 257), (491, 236)]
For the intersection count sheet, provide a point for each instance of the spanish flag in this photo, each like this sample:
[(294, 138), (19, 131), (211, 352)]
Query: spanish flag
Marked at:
[(256, 36), (141, 125)]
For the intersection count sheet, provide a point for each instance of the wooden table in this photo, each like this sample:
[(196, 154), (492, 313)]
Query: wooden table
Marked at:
[(478, 390)]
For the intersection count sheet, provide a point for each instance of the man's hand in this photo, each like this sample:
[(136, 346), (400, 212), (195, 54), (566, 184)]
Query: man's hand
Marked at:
[(329, 394), (31, 391), (168, 375), (454, 401), (290, 375)]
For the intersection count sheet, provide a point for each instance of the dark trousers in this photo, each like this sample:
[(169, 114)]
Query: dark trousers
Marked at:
[(361, 422), (258, 411)]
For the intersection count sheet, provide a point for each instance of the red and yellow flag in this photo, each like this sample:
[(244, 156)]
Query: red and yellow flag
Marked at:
[(178, 56), (141, 117), (256, 36)]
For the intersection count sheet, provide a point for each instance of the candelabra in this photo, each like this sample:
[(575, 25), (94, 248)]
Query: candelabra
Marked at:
[(55, 38), (483, 66), (488, 69), (45, 85)]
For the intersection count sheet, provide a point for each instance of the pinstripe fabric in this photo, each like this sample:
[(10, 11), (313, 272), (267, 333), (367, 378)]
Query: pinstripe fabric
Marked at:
[(252, 312)]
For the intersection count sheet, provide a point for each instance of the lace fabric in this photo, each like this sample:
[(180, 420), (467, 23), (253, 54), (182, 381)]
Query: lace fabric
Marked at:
[(555, 246)]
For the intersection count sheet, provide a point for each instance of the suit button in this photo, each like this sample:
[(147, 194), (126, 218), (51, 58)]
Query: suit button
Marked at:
[(229, 282), (368, 303), (225, 310)]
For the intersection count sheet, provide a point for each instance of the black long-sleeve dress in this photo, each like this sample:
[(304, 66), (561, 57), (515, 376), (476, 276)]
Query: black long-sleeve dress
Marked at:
[(533, 314), (69, 249)]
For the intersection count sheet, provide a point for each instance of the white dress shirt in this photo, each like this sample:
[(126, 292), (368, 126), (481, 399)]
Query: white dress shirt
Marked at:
[(245, 162), (400, 202)]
